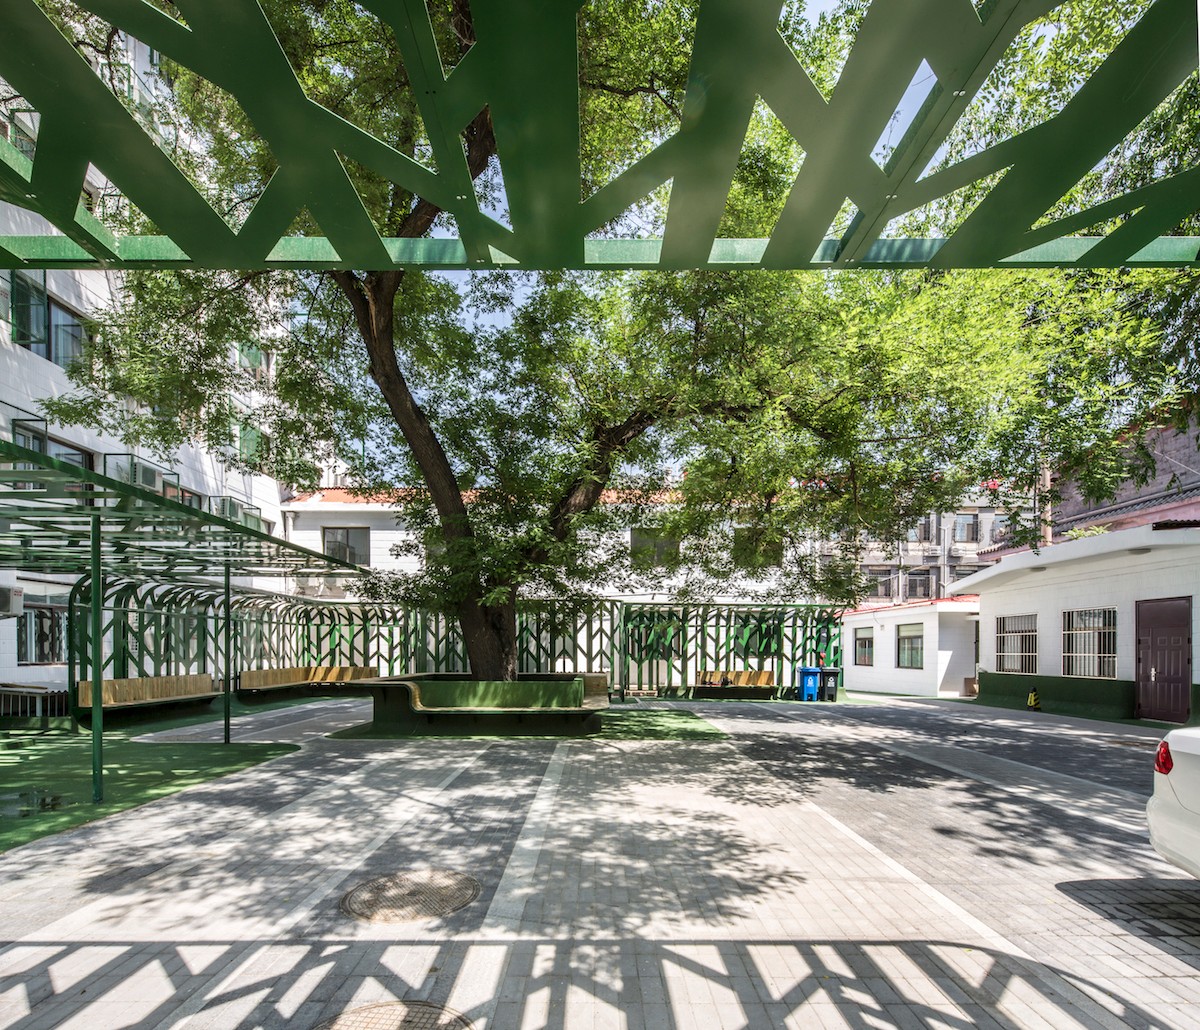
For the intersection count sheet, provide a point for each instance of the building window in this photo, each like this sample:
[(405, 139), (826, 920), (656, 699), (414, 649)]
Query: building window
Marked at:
[(910, 646), (42, 628), (864, 646), (922, 532), (30, 312), (254, 361), (66, 336), (254, 446), (966, 529), (650, 549), (1016, 644), (1090, 643), (43, 326), (920, 584), (756, 549), (1001, 530), (879, 582), (42, 636), (348, 545)]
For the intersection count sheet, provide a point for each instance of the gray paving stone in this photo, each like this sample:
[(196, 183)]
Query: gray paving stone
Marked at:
[(810, 871)]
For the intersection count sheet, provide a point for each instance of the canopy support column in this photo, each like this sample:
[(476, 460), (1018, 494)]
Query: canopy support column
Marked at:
[(97, 670), (228, 651)]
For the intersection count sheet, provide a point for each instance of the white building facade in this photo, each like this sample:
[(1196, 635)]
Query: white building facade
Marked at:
[(1098, 626), (920, 648)]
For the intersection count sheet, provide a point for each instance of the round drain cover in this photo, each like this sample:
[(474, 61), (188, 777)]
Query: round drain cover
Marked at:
[(403, 897), (398, 1015)]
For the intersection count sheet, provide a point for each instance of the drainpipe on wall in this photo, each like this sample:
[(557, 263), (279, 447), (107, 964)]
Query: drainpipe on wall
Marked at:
[(1046, 512)]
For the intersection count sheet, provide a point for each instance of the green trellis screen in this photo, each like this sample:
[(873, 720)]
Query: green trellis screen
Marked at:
[(665, 647), (161, 630)]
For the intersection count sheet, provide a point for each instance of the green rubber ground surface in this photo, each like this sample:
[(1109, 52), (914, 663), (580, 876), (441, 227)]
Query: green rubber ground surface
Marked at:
[(46, 779)]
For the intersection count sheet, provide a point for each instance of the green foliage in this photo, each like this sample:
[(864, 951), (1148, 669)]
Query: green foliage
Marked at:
[(1085, 532)]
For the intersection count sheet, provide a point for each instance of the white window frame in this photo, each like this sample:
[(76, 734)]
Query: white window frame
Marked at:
[(867, 635), (1026, 660), (1090, 652), (906, 652)]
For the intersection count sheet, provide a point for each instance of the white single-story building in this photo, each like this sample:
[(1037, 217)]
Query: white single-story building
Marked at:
[(1099, 626), (923, 648)]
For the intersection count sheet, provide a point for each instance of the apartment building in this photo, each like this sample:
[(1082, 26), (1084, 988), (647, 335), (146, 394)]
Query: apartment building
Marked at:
[(943, 548)]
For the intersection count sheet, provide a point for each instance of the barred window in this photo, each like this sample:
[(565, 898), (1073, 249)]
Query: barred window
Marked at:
[(1090, 643), (879, 582), (864, 646), (1016, 644), (910, 646), (920, 584)]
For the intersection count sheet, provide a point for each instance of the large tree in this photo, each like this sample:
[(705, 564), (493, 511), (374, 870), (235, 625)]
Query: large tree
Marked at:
[(522, 420)]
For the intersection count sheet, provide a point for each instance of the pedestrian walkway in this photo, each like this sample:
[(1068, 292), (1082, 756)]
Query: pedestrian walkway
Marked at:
[(780, 878)]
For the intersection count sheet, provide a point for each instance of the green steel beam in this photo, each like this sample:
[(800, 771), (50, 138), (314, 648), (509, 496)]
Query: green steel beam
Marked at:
[(96, 636), (739, 58), (46, 526)]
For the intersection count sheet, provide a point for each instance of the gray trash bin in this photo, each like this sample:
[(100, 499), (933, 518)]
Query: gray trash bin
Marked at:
[(830, 677)]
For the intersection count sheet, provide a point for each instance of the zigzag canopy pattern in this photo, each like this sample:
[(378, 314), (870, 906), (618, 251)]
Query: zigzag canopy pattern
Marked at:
[(523, 68)]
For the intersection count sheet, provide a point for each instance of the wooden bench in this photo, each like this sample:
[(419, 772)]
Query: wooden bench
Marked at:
[(251, 682), (149, 690), (735, 684), (404, 706)]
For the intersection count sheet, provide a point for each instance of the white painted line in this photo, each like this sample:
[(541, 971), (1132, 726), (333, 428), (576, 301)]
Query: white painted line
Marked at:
[(516, 885)]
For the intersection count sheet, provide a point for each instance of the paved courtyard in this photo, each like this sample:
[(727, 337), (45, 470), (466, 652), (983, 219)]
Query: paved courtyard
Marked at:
[(895, 865)]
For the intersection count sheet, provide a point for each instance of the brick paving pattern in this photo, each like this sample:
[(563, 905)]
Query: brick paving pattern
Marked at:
[(893, 865)]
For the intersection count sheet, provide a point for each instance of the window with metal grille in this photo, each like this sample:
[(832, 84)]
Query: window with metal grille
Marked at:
[(1016, 644), (864, 646), (879, 582), (910, 646), (1090, 643), (920, 584), (966, 529)]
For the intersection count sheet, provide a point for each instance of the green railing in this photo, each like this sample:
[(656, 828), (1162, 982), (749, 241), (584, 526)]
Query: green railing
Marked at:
[(154, 630)]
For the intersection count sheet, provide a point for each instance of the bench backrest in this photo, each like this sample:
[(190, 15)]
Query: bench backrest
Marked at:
[(499, 693), (147, 688), (257, 679)]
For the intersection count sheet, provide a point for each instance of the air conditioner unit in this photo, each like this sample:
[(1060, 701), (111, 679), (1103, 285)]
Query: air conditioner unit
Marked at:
[(149, 478), (12, 602), (228, 508)]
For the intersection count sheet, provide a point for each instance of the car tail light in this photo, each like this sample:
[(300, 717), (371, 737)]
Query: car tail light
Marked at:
[(1163, 762)]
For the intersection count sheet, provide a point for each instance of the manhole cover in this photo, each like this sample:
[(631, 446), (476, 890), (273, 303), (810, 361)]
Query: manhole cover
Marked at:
[(398, 1015), (402, 897)]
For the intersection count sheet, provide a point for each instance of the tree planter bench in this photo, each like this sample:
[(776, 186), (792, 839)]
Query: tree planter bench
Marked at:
[(253, 682), (451, 704)]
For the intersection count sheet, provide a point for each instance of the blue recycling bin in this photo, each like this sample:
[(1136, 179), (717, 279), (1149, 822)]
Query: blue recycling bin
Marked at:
[(808, 683)]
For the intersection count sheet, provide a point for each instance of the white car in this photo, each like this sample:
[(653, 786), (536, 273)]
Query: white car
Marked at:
[(1174, 809)]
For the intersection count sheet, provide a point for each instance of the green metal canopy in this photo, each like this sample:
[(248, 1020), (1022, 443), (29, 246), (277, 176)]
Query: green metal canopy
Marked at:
[(48, 508), (523, 69)]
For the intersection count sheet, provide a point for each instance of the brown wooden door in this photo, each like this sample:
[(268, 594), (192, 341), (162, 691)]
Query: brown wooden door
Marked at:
[(1164, 659)]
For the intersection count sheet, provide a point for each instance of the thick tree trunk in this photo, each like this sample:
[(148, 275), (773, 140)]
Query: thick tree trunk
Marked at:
[(490, 631)]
